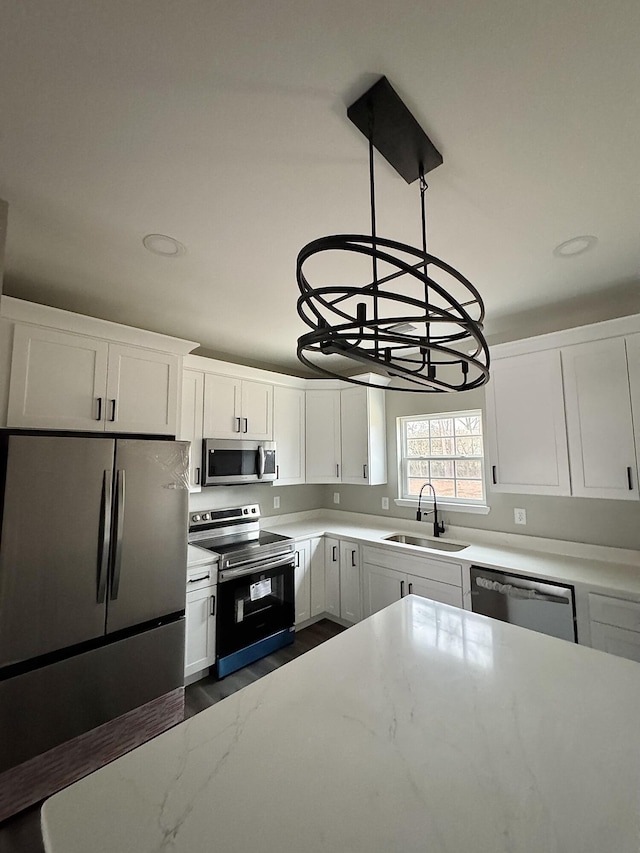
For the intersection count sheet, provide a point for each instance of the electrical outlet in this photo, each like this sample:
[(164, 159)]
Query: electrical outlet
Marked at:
[(385, 503), (276, 501), (336, 497), (520, 516)]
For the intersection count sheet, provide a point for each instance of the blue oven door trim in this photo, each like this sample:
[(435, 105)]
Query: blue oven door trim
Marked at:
[(255, 651)]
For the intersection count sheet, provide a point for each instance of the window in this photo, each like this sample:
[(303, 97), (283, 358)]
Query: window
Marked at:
[(445, 450)]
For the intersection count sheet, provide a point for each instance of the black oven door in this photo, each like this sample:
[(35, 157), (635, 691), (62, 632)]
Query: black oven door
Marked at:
[(254, 603)]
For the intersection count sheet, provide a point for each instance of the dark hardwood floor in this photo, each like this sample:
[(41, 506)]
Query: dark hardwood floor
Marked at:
[(21, 834)]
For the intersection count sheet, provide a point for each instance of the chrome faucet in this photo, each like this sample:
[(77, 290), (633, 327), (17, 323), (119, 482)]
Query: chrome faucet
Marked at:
[(438, 527)]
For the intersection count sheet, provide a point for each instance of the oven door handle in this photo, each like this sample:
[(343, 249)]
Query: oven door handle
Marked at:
[(253, 568)]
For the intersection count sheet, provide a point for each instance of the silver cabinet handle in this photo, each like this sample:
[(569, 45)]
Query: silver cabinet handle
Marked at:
[(239, 422), (629, 479), (103, 560), (353, 558), (197, 580), (113, 411), (117, 559), (401, 589), (212, 612), (99, 402)]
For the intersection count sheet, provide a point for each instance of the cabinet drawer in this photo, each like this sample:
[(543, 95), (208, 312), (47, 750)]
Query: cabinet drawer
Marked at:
[(616, 641), (423, 567), (615, 611), (200, 577)]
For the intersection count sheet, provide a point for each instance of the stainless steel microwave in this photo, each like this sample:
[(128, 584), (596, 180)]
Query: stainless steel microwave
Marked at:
[(235, 461)]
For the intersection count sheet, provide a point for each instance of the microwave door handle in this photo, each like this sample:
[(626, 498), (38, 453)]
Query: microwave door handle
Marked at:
[(260, 462), (117, 560), (103, 559)]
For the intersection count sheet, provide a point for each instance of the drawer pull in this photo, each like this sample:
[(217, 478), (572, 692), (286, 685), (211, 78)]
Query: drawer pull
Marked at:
[(629, 480), (334, 555), (353, 558), (494, 475), (99, 415), (213, 606), (410, 589), (401, 589), (197, 580)]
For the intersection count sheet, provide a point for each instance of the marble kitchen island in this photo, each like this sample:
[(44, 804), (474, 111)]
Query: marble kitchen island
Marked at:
[(422, 728)]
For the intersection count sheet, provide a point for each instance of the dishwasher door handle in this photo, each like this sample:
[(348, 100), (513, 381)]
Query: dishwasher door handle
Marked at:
[(512, 591)]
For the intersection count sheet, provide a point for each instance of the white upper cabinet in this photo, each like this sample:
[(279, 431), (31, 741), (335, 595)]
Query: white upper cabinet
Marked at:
[(289, 435), (237, 408), (346, 436), (599, 420), (190, 429), (526, 425), (61, 380), (323, 436), (142, 390), (363, 436)]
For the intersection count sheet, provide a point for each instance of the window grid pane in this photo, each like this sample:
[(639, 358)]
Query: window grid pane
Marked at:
[(446, 451)]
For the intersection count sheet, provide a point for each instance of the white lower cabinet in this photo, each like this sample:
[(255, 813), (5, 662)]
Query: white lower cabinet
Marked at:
[(309, 579), (385, 579), (342, 579), (350, 598), (200, 619), (615, 625)]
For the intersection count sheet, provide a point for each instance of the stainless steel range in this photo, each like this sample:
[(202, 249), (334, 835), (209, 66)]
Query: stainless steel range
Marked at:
[(256, 609)]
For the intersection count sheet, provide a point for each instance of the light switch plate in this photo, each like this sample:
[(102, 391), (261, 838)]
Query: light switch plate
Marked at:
[(385, 503), (276, 501), (336, 497), (520, 516)]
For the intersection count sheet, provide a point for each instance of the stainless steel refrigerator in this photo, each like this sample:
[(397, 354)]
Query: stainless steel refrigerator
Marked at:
[(92, 583)]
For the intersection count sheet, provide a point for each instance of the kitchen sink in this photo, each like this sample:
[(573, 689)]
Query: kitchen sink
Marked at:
[(431, 542)]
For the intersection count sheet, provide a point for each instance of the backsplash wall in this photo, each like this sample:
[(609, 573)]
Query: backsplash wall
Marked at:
[(292, 498)]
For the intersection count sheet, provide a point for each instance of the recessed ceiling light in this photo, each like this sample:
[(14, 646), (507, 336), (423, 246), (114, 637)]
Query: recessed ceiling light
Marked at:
[(575, 246), (160, 244)]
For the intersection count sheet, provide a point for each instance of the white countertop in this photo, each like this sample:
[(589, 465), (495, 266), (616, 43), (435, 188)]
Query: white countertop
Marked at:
[(609, 568), (424, 727)]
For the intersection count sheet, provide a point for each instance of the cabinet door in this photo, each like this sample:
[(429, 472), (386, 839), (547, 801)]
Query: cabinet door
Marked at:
[(200, 633), (222, 407), (363, 436), (289, 435), (257, 411), (142, 391), (191, 413), (633, 365), (526, 425), (380, 588), (436, 591), (323, 436), (317, 568), (302, 582), (58, 380), (350, 597), (354, 435), (599, 423), (332, 575), (616, 641)]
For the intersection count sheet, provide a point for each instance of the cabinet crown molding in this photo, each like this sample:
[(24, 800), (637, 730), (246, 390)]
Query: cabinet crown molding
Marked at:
[(618, 327), (21, 311)]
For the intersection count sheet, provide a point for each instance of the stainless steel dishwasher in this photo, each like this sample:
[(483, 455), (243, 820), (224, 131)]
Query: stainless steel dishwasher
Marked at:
[(538, 605)]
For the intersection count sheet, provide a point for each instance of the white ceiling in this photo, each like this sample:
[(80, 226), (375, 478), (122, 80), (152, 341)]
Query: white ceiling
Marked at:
[(223, 123)]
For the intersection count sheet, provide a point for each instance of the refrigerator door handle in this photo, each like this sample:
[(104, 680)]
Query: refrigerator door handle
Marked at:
[(103, 558), (117, 557)]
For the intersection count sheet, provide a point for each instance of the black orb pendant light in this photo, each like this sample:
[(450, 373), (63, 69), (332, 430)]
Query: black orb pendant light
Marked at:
[(415, 318)]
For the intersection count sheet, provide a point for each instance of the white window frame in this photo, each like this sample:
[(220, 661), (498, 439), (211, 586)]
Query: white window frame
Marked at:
[(450, 504)]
